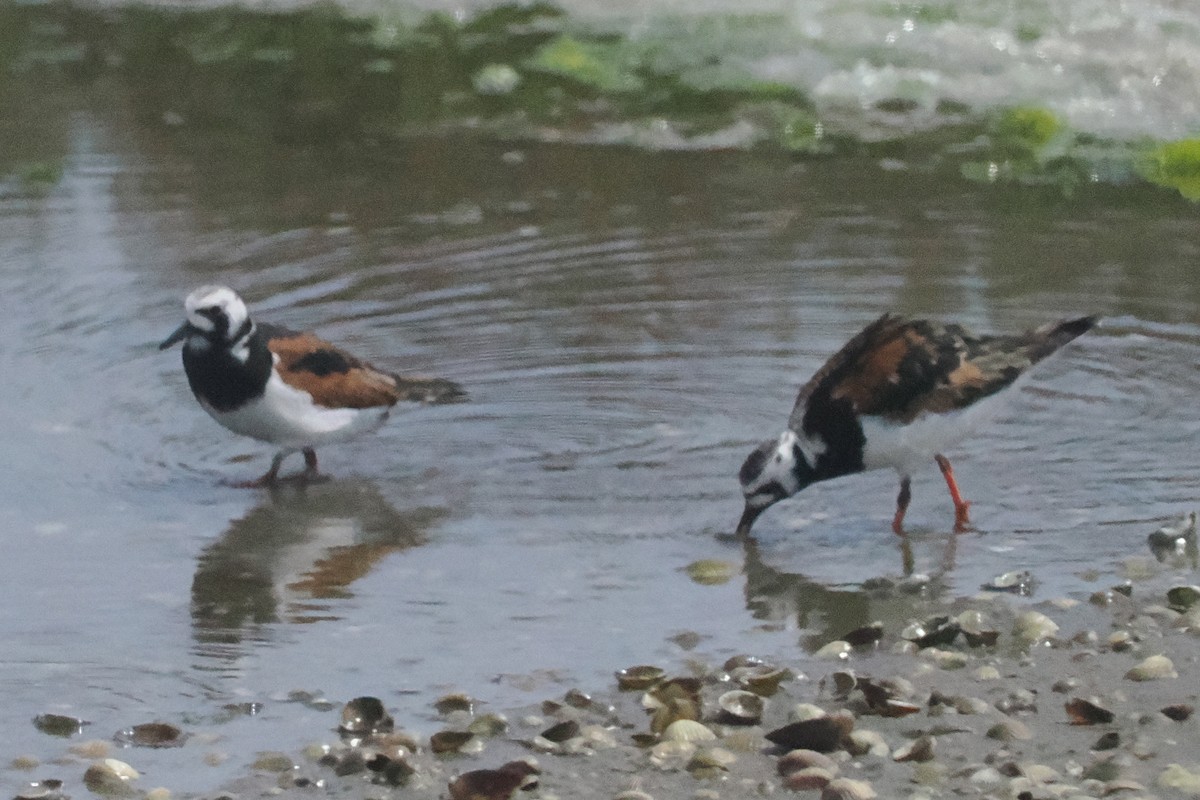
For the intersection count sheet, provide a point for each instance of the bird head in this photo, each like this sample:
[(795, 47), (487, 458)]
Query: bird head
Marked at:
[(774, 471), (215, 316)]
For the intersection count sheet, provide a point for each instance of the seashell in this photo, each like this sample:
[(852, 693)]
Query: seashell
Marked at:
[(495, 784), (673, 711), (1152, 669), (744, 740), (1179, 712), (449, 703), (987, 673), (577, 699), (679, 687), (847, 789), (795, 760), (1181, 598), (935, 632), (561, 732), (808, 778), (864, 636), (687, 730), (1085, 712), (837, 650), (59, 724), (803, 711), (639, 677), (1120, 641), (710, 571), (1109, 741), (151, 734), (1033, 626), (739, 661), (390, 771), (823, 734), (273, 761), (710, 762), (672, 755), (762, 679), (449, 741), (46, 789), (633, 794), (1173, 539), (1017, 582), (844, 682), (1010, 730), (862, 743), (1178, 777), (920, 750), (110, 777), (365, 715), (741, 707)]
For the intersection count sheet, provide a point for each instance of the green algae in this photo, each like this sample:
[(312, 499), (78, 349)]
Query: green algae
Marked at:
[(322, 76)]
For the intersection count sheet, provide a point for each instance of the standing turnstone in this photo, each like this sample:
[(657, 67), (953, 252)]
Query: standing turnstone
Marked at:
[(895, 395), (290, 389)]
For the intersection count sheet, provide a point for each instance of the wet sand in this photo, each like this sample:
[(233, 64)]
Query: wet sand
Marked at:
[(959, 717)]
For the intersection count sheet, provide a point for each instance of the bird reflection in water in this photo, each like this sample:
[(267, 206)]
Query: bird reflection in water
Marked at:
[(289, 557), (825, 612)]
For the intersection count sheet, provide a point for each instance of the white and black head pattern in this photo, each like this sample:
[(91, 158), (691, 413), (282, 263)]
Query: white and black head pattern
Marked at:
[(217, 316), (774, 471), (225, 356)]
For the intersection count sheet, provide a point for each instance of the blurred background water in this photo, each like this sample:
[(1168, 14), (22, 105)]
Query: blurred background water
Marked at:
[(629, 318)]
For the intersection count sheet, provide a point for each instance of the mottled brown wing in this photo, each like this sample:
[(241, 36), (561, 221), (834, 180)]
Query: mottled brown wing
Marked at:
[(864, 365), (333, 377), (899, 369)]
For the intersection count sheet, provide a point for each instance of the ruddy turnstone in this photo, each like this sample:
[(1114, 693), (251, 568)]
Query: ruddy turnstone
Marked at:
[(290, 389), (896, 395)]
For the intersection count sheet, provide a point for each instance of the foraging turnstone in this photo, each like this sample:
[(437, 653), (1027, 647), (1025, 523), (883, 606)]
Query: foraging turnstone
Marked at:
[(290, 389), (895, 395)]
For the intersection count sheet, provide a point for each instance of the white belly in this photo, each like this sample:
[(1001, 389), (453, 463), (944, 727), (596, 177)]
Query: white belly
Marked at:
[(287, 417), (904, 448)]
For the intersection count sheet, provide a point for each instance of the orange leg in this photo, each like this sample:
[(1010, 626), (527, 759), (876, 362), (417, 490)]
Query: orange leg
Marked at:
[(961, 507), (902, 501)]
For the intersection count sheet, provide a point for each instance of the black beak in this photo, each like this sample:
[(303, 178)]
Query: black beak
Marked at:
[(181, 333), (748, 516)]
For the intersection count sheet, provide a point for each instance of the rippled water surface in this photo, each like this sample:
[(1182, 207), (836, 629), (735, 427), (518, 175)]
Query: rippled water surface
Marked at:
[(628, 324)]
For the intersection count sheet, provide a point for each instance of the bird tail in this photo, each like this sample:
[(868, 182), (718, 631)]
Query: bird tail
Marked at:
[(433, 391), (1051, 337)]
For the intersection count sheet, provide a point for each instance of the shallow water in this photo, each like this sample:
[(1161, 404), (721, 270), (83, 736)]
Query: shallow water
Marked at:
[(628, 324)]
